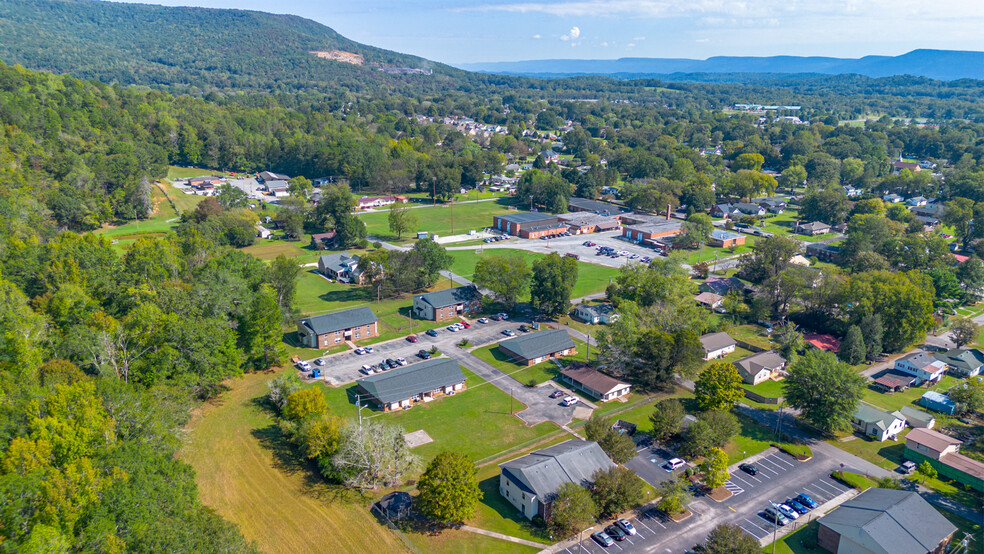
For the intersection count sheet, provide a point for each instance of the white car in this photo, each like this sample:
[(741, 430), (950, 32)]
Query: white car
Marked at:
[(788, 512), (368, 370), (483, 320), (569, 401), (304, 366), (360, 351), (369, 350), (675, 463), (320, 361), (401, 361), (452, 328)]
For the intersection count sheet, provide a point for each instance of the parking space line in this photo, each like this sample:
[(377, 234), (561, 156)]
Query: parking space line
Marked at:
[(747, 531), (769, 469), (826, 488), (784, 460), (736, 476), (773, 467), (755, 525), (771, 461), (646, 526)]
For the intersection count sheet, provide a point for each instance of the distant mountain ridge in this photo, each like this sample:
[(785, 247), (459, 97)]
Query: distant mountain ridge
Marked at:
[(944, 65), (196, 48)]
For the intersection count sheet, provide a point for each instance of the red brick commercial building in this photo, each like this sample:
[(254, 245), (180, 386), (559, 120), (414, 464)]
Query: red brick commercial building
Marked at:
[(649, 233), (529, 225), (581, 223), (725, 239)]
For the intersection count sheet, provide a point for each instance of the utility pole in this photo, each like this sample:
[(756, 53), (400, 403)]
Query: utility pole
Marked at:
[(358, 402), (775, 526), (452, 214), (587, 357), (779, 424)]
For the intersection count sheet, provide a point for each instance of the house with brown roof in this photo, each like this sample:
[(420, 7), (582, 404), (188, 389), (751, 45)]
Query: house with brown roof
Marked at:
[(594, 383), (710, 300), (942, 452)]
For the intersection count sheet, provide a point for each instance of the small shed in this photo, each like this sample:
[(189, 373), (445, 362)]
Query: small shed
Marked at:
[(917, 418), (423, 235), (625, 427), (938, 403), (395, 505)]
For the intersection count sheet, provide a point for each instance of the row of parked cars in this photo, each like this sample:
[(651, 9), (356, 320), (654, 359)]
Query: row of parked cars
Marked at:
[(388, 363), (784, 513), (613, 253), (496, 239), (617, 531), (548, 237)]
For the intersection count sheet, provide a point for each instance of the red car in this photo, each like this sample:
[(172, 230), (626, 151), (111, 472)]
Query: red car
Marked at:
[(466, 324), (412, 338)]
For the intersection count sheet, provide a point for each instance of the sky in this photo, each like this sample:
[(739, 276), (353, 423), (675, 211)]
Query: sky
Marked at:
[(466, 31)]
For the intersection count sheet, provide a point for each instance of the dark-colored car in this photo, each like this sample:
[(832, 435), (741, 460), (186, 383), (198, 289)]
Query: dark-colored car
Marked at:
[(432, 332), (423, 354), (412, 338), (805, 500), (615, 533), (750, 469), (524, 328), (799, 508), (495, 318), (392, 363), (602, 538), (557, 394)]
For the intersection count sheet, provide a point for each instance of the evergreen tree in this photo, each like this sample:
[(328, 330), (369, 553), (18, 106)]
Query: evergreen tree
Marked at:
[(852, 349), (871, 333), (449, 490), (263, 332)]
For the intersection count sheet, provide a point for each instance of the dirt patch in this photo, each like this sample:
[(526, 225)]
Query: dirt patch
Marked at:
[(681, 516), (582, 412), (417, 438), (720, 494)]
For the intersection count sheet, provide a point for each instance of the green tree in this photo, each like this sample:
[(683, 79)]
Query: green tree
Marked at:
[(969, 395), (825, 390), (553, 279), (728, 539), (871, 332), (793, 176), (715, 468), (372, 455), (449, 490), (718, 387), (230, 197), (508, 277), (852, 349), (673, 496), (305, 403), (401, 219), (300, 187), (829, 206), (666, 419), (748, 161), (619, 447), (958, 213), (282, 275), (573, 510), (263, 333), (964, 331), (769, 258), (927, 470), (616, 490), (320, 437)]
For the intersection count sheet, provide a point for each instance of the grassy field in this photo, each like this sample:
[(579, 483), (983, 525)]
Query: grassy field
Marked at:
[(908, 397), (247, 473), (481, 410), (752, 439), (768, 389), (591, 278), (708, 253), (437, 219), (800, 541), (887, 454), (752, 334)]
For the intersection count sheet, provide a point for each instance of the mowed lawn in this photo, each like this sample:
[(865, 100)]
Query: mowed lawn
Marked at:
[(591, 278), (475, 421), (248, 474), (438, 219)]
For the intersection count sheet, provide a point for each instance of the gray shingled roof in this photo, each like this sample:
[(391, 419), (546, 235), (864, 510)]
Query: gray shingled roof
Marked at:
[(542, 472), (964, 359), (345, 319), (751, 365), (889, 521), (596, 206), (870, 414), (403, 382), (448, 297), (535, 345), (716, 341), (527, 217), (658, 226)]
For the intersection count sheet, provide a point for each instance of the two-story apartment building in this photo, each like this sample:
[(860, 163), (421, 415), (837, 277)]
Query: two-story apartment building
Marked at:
[(447, 304), (322, 331)]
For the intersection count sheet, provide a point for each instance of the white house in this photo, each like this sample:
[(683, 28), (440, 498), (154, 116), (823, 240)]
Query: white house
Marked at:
[(599, 313), (924, 367), (761, 366), (263, 232), (877, 424), (717, 345)]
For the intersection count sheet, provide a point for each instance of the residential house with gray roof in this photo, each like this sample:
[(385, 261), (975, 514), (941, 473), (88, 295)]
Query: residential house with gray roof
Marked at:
[(760, 367), (885, 521), (401, 388), (923, 366), (962, 362), (341, 267), (322, 331), (531, 483), (717, 345), (442, 305), (533, 348)]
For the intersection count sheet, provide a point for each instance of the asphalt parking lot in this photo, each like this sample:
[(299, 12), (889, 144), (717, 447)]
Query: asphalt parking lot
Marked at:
[(780, 477), (574, 245), (650, 457), (345, 367)]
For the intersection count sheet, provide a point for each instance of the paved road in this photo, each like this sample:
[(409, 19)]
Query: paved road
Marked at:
[(573, 245)]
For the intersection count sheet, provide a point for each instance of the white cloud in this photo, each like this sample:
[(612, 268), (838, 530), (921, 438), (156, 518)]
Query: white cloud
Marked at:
[(536, 35), (572, 34), (630, 45), (703, 40), (639, 38), (604, 44)]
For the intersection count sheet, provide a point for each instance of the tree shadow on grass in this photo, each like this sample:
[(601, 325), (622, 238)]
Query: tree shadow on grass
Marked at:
[(505, 510), (352, 294)]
